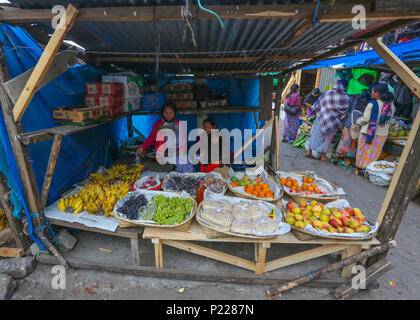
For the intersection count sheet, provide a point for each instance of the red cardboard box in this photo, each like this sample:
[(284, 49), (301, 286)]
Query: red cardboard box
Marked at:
[(110, 101), (93, 88), (112, 88), (91, 101)]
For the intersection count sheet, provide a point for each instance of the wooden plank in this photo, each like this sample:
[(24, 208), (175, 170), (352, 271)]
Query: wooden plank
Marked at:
[(318, 77), (158, 253), (303, 256), (401, 189), (196, 233), (204, 276), (340, 13), (257, 124), (289, 84), (59, 65), (266, 98), (372, 273), (183, 60), (135, 251), (259, 132), (399, 67), (52, 161), (277, 142), (212, 254), (352, 250), (15, 225), (5, 235), (11, 252), (44, 62), (131, 233), (259, 265)]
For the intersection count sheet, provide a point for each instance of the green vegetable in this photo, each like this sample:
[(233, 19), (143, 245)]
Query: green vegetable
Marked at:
[(234, 179)]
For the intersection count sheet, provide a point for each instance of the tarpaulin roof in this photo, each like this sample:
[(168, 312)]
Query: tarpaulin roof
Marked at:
[(408, 51)]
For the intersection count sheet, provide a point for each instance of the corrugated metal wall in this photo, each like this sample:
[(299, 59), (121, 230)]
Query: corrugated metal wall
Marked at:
[(327, 78)]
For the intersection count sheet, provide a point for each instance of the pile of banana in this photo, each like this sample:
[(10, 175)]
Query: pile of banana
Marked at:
[(102, 192)]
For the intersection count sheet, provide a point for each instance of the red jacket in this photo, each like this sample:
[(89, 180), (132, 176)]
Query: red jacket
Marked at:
[(153, 135)]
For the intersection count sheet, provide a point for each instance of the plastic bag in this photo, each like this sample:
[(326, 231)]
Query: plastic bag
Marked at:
[(380, 176)]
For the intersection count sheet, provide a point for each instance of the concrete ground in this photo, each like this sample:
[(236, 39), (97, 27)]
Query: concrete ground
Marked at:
[(87, 284)]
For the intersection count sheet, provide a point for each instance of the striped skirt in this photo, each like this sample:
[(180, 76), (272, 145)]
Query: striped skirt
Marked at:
[(366, 153)]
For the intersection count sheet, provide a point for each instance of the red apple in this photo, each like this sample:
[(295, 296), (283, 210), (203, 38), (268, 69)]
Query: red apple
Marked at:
[(345, 221), (290, 205)]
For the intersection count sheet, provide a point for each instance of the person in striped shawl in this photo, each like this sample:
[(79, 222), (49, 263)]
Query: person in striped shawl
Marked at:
[(331, 109)]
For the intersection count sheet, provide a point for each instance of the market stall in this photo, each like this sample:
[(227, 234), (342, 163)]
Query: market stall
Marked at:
[(251, 207)]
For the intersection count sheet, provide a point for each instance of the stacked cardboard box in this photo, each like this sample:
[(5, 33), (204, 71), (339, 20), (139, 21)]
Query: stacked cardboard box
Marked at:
[(182, 94), (132, 90), (106, 94), (80, 115)]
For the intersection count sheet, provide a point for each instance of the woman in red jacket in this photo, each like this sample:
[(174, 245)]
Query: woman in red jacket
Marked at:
[(157, 137)]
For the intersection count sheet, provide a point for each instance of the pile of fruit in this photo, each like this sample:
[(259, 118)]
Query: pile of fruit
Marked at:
[(333, 220), (102, 192), (149, 183), (181, 183), (170, 211), (132, 206), (255, 187), (214, 184), (308, 187)]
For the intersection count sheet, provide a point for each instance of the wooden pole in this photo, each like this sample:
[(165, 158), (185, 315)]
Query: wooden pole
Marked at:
[(52, 161), (332, 267), (47, 57), (318, 77), (407, 172)]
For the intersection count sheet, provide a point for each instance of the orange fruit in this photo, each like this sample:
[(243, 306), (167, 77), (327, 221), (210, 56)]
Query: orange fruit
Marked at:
[(283, 181), (304, 179), (313, 185), (304, 188), (310, 189), (288, 184), (310, 180)]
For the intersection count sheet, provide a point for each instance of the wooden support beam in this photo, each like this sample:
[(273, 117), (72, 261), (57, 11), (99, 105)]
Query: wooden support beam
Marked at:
[(340, 13), (15, 225), (372, 273), (277, 141), (352, 250), (318, 77), (204, 276), (399, 67), (115, 59), (130, 125), (52, 161), (266, 98), (45, 61)]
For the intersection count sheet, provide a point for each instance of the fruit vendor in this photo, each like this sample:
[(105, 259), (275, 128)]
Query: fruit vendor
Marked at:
[(209, 164), (310, 100), (166, 146)]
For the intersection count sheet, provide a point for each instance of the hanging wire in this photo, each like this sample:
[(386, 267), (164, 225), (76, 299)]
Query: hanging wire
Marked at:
[(316, 13), (212, 12), (187, 17)]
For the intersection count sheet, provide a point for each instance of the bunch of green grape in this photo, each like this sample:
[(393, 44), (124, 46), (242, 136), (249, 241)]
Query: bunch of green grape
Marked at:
[(170, 211)]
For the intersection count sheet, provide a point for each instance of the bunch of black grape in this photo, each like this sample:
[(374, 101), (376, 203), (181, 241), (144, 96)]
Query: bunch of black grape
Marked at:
[(132, 206)]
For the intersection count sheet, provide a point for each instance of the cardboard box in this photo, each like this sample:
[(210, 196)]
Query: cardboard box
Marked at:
[(185, 104), (112, 88), (93, 88), (80, 115), (133, 86), (110, 101), (130, 105), (180, 86), (180, 96), (91, 101)]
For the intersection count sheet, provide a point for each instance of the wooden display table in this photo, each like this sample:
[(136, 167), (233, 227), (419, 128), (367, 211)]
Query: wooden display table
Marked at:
[(181, 240), (131, 233)]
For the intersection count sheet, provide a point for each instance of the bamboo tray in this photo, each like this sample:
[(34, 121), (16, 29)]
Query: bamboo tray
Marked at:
[(216, 232), (184, 226), (240, 194), (298, 197)]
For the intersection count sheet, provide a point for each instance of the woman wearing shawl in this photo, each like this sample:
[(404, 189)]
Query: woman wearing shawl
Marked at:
[(310, 100), (347, 146), (331, 110), (291, 121), (374, 126)]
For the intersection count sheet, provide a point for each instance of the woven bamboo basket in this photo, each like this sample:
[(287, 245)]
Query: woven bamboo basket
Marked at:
[(305, 235), (298, 197), (216, 232), (184, 226), (251, 196), (166, 179)]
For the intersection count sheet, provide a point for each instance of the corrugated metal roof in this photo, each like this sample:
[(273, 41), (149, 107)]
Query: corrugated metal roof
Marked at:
[(238, 38)]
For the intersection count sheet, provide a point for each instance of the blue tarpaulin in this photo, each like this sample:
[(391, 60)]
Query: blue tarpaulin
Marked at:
[(406, 51)]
